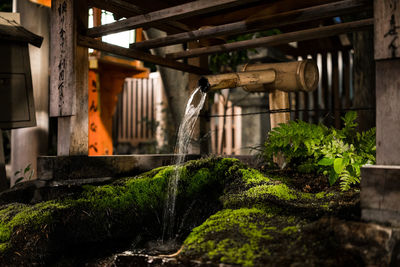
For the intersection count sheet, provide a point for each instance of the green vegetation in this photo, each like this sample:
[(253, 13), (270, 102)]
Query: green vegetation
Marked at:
[(251, 217), (244, 236), (243, 248), (128, 203), (338, 154)]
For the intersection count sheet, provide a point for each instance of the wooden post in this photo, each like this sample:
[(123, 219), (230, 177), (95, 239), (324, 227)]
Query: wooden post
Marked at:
[(3, 177), (380, 184), (279, 100), (335, 90), (69, 76)]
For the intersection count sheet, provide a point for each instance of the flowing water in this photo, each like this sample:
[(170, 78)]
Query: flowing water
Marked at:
[(181, 148)]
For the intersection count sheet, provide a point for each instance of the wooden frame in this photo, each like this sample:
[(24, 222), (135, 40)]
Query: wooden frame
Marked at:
[(283, 38), (260, 23), (172, 13)]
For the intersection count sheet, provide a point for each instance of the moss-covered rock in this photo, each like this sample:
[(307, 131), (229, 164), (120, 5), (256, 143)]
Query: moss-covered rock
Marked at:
[(245, 236), (117, 212), (225, 212), (261, 223)]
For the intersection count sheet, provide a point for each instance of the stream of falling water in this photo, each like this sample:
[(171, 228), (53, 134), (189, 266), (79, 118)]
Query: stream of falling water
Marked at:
[(181, 148)]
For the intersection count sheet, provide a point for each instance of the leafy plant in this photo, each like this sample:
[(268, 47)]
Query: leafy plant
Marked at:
[(26, 174), (338, 154)]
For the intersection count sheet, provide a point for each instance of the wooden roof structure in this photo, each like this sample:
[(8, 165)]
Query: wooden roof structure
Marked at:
[(186, 21), (19, 34)]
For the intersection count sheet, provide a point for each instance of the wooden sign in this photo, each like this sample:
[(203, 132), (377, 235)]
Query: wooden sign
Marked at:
[(387, 29), (62, 80)]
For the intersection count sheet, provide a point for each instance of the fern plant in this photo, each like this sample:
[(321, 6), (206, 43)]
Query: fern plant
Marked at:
[(338, 154)]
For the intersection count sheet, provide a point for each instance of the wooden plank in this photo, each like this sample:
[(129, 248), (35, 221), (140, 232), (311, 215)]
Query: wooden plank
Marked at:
[(173, 13), (140, 109), (69, 77), (122, 8), (346, 78), (120, 114), (3, 176), (283, 38), (228, 129), (19, 33), (62, 76), (335, 90), (296, 106), (260, 23), (238, 130), (149, 108), (135, 54), (315, 97), (262, 8), (387, 29), (302, 106), (136, 109), (278, 100), (145, 115), (79, 122), (325, 85), (129, 114), (63, 136), (380, 193), (387, 112)]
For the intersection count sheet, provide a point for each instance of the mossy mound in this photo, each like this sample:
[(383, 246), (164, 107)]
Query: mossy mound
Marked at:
[(245, 236), (112, 215), (225, 212), (263, 224)]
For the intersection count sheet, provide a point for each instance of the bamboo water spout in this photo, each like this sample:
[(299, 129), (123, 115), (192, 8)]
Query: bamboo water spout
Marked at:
[(286, 76)]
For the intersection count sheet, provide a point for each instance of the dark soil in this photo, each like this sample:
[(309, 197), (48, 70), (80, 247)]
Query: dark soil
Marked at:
[(305, 182)]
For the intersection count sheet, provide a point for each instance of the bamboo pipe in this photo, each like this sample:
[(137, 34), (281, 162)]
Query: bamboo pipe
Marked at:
[(236, 79), (286, 76)]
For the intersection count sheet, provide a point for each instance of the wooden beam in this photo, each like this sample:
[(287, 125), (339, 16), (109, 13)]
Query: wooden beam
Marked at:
[(139, 55), (3, 176), (19, 33), (172, 13), (122, 8), (117, 6), (261, 23), (262, 8), (283, 38)]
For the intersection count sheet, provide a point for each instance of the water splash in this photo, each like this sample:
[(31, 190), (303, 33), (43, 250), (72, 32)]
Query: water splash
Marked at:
[(181, 148)]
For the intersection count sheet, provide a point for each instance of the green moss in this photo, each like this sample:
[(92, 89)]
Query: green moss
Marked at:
[(245, 229), (19, 214), (290, 230), (325, 206), (224, 164), (200, 179), (280, 191), (141, 195), (234, 252), (323, 194), (4, 247), (253, 177)]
